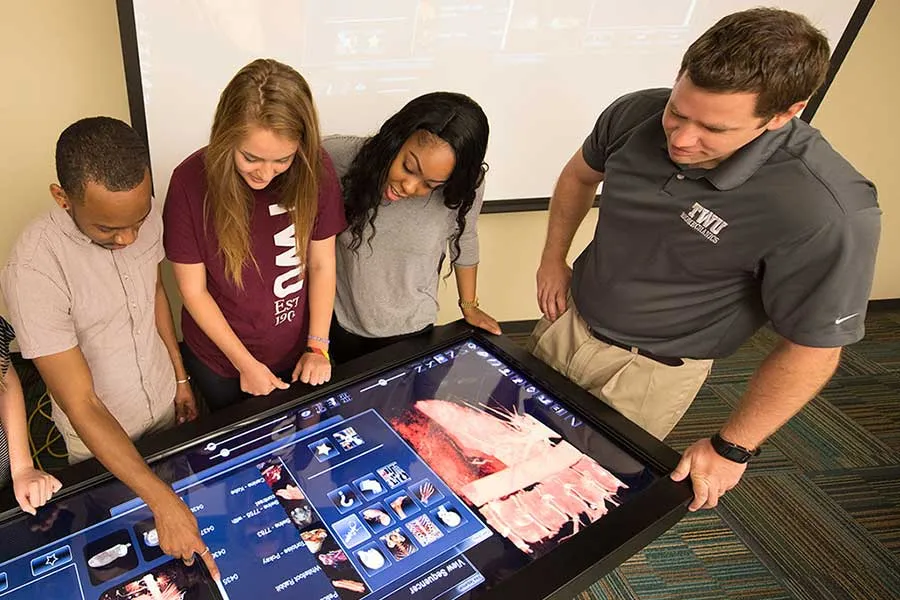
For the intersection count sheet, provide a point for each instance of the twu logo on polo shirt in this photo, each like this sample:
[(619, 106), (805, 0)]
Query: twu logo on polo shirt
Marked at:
[(705, 222)]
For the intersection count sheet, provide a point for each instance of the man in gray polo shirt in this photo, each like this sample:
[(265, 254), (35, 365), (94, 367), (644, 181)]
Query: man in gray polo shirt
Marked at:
[(83, 289), (720, 211)]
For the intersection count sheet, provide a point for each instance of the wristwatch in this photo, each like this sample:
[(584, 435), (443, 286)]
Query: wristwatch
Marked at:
[(732, 452)]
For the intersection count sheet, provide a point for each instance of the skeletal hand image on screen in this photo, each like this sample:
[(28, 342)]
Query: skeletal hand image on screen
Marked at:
[(437, 479)]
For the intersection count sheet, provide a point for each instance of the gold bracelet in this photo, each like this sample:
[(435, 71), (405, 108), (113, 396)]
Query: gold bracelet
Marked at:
[(464, 304), (183, 381)]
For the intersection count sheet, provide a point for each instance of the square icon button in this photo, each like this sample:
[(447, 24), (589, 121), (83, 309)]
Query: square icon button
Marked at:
[(449, 516), (373, 558), (344, 499), (348, 439), (324, 449), (393, 474), (369, 486), (426, 493), (351, 531), (377, 517), (403, 505)]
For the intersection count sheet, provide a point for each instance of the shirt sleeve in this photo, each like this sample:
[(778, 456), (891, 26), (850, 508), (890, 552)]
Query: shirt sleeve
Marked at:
[(594, 149), (40, 311), (617, 120), (816, 289), (468, 241), (182, 227), (330, 219)]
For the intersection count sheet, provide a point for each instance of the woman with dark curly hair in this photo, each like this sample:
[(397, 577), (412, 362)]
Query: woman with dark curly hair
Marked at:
[(412, 193)]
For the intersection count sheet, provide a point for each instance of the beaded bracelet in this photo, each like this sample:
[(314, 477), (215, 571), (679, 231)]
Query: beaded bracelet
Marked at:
[(315, 338)]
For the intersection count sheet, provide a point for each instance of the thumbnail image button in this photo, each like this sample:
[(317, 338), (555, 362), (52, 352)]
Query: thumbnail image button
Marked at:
[(426, 493), (403, 505), (344, 499), (369, 486), (351, 531), (393, 474), (348, 439), (377, 518)]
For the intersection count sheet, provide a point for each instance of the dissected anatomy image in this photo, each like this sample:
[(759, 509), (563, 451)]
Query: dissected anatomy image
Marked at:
[(169, 581), (526, 481)]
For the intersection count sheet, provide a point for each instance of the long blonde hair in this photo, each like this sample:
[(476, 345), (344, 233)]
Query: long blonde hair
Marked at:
[(273, 96)]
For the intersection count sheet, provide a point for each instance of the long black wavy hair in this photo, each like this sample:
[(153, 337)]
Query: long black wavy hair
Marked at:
[(454, 118)]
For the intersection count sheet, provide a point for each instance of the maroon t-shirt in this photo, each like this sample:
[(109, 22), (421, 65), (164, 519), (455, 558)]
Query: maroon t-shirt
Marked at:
[(270, 314)]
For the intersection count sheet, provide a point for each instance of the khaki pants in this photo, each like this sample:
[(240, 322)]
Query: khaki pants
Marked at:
[(79, 452), (653, 395)]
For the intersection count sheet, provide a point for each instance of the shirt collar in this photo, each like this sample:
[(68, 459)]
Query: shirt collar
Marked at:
[(62, 219), (743, 164)]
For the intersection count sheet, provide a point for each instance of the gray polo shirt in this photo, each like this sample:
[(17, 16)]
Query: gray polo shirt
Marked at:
[(690, 262)]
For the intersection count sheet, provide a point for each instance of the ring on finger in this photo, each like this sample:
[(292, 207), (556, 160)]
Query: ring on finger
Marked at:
[(205, 552)]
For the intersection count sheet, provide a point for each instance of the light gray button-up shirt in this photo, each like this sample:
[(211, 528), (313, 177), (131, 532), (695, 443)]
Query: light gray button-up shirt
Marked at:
[(63, 291)]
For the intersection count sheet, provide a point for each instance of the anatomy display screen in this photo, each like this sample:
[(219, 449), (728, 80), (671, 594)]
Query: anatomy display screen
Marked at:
[(434, 480)]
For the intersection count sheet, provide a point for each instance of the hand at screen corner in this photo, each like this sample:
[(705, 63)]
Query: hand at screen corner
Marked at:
[(478, 318), (553, 280), (179, 535), (33, 488), (711, 475)]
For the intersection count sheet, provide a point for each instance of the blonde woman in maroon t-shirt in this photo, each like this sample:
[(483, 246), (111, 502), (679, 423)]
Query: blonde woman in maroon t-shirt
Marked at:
[(250, 223)]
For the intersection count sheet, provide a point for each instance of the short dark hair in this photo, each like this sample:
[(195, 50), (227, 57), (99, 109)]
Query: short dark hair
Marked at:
[(775, 53), (101, 150)]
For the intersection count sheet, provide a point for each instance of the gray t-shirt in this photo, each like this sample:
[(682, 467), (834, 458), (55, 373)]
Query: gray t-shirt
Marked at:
[(690, 262), (391, 287)]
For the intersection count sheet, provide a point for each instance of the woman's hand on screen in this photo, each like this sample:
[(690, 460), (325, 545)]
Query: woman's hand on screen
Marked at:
[(312, 368), (478, 318), (258, 380)]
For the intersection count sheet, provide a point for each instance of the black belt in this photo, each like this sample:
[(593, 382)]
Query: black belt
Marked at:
[(668, 361)]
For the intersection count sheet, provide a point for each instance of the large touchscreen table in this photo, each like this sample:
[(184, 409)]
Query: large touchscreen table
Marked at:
[(441, 478)]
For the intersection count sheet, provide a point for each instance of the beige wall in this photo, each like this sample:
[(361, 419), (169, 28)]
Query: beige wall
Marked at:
[(61, 61), (73, 68), (859, 117)]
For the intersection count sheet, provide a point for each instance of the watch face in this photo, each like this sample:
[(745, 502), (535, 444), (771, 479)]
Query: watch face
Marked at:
[(735, 454)]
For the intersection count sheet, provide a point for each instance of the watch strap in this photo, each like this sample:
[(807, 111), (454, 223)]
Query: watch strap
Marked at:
[(732, 451)]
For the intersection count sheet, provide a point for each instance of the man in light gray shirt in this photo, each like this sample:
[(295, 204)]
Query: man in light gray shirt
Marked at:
[(83, 289)]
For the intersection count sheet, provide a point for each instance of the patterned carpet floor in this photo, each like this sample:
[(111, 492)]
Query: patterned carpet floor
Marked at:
[(816, 517)]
